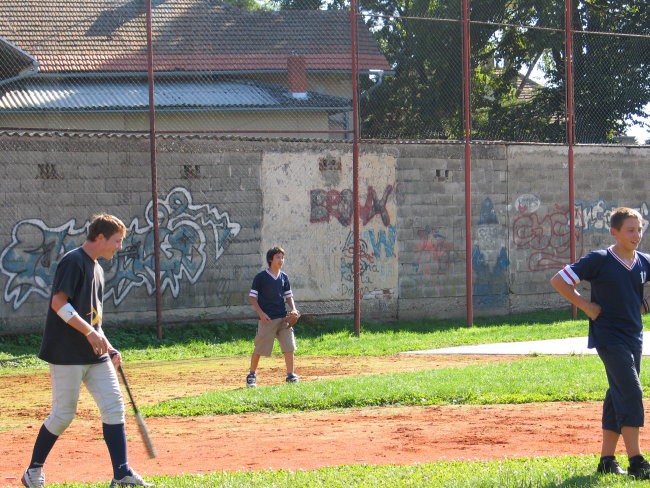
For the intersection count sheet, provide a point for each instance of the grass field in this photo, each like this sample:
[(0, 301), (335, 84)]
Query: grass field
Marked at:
[(332, 337), (528, 379), (562, 472)]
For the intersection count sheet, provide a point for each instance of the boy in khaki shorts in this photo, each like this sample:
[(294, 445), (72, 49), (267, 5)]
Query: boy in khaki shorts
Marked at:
[(267, 296)]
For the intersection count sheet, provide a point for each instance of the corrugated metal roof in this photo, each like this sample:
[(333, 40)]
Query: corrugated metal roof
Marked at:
[(36, 95), (207, 35)]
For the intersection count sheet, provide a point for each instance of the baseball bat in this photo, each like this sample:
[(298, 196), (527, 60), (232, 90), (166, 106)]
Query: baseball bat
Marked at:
[(142, 427)]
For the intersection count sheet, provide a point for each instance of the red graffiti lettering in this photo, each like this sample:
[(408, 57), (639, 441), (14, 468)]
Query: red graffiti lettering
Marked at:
[(434, 253), (339, 205), (547, 237)]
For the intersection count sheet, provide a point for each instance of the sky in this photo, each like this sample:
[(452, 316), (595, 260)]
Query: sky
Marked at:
[(642, 133)]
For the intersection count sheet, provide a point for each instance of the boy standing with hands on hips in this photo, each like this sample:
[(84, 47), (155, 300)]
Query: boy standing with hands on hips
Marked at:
[(617, 275), (267, 296)]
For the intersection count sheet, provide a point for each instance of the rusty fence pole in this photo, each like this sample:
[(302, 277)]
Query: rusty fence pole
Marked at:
[(570, 131), (468, 161), (154, 175), (356, 260)]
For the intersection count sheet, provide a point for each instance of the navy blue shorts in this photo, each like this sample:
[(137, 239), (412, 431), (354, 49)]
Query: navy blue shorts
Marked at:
[(623, 406)]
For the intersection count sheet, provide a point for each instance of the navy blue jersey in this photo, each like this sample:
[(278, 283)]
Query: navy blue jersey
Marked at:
[(618, 289), (271, 293), (82, 279)]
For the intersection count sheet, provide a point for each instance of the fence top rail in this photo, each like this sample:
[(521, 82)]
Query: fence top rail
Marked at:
[(504, 24)]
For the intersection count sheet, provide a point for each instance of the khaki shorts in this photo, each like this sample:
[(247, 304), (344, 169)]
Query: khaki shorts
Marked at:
[(267, 333)]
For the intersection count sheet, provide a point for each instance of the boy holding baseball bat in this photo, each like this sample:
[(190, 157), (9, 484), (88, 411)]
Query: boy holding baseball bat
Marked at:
[(77, 351), (617, 275), (267, 296)]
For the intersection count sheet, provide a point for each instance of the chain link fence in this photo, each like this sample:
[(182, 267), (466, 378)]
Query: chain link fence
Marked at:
[(277, 71)]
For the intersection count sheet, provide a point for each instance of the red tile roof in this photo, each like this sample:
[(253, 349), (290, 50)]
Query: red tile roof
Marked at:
[(202, 35)]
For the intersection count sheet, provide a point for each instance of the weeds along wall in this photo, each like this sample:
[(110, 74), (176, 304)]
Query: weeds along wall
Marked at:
[(223, 203)]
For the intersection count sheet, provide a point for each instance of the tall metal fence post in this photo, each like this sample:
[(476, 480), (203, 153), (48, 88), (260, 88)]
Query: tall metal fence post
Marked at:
[(356, 260), (154, 175), (468, 162), (570, 133)]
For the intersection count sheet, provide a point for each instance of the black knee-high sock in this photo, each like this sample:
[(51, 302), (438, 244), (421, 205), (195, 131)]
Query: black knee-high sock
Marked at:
[(42, 447), (115, 438)]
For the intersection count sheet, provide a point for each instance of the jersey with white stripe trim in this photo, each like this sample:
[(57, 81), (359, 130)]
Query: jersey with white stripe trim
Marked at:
[(271, 292), (618, 289)]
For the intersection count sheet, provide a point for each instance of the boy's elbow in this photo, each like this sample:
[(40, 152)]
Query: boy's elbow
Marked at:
[(554, 281)]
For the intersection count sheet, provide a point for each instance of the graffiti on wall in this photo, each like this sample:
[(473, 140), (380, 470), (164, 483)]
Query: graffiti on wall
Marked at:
[(328, 204), (594, 217), (190, 234), (434, 253), (527, 203), (385, 238), (490, 282), (373, 262), (547, 236), (367, 260), (377, 244)]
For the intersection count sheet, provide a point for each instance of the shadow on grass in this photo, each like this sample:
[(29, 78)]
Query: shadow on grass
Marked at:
[(25, 345), (529, 318)]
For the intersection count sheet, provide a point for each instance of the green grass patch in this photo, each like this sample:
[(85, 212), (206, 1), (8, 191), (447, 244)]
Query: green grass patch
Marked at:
[(315, 337), (561, 472), (533, 379)]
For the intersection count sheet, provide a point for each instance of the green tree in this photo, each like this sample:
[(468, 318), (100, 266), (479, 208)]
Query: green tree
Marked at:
[(611, 74), (422, 40), (423, 97)]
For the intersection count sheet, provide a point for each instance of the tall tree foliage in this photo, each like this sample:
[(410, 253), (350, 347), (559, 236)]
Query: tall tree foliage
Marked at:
[(422, 98), (611, 73)]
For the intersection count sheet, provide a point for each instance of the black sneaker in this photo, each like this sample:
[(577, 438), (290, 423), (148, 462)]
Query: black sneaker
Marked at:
[(609, 465), (251, 380), (639, 468), (293, 378)]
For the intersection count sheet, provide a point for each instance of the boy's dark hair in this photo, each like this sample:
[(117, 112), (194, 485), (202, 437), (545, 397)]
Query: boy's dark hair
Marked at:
[(620, 214), (272, 252), (105, 224)]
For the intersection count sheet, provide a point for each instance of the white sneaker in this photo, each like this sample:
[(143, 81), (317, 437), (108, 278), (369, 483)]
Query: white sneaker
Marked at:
[(134, 479), (33, 478)]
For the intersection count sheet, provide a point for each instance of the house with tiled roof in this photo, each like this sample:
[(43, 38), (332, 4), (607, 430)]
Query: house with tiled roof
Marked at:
[(83, 65)]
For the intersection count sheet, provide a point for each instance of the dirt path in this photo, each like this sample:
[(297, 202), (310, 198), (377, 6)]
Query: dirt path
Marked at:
[(396, 435)]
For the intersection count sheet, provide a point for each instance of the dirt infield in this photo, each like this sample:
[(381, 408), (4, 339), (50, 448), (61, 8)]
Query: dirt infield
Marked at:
[(309, 440)]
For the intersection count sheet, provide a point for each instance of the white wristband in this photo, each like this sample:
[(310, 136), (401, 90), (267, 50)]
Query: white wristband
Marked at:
[(66, 312)]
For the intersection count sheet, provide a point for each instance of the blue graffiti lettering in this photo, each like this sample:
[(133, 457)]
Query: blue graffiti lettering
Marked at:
[(382, 239), (30, 259)]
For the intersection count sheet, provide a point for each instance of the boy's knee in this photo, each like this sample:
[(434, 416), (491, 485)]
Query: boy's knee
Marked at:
[(113, 413), (58, 421)]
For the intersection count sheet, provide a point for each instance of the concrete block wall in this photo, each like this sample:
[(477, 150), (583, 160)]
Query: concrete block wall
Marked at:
[(222, 203), (210, 207)]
